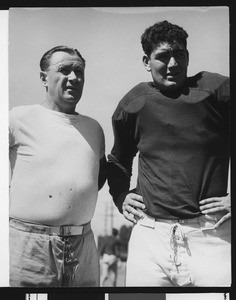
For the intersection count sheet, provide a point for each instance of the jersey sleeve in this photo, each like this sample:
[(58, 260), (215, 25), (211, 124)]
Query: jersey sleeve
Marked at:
[(223, 91), (103, 148), (219, 87), (223, 96), (121, 157)]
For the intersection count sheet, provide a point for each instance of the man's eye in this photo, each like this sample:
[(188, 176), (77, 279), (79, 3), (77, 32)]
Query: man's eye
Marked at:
[(180, 55), (64, 71), (163, 56), (78, 72)]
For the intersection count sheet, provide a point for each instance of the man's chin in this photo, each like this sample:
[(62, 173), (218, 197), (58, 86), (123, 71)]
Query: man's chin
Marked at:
[(71, 100), (170, 85), (173, 85)]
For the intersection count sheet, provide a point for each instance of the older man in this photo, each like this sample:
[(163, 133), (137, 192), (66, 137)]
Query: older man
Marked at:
[(180, 127), (58, 164)]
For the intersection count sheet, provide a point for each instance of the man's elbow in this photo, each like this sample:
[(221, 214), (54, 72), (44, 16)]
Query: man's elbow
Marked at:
[(102, 176)]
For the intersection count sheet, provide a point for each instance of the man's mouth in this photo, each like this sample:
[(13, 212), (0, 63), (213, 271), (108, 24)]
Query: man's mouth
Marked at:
[(73, 88), (171, 76)]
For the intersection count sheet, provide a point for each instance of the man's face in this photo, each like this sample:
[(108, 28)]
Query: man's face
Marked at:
[(64, 80), (168, 65)]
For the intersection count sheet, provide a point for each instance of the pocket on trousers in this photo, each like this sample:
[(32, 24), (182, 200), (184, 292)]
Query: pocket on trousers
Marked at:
[(29, 259), (223, 231)]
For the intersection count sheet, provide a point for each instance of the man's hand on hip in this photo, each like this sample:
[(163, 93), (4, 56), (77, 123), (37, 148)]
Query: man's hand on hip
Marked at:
[(132, 207), (217, 205)]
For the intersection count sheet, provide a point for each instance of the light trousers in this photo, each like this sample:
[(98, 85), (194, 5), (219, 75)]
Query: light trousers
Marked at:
[(179, 253), (42, 260)]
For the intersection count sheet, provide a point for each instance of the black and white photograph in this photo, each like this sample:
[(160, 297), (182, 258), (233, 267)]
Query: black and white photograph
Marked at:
[(119, 149)]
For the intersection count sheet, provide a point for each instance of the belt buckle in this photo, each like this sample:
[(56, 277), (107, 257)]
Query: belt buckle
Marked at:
[(182, 221), (65, 230)]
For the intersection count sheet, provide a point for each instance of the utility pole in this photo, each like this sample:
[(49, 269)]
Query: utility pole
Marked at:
[(112, 216), (105, 219), (109, 214)]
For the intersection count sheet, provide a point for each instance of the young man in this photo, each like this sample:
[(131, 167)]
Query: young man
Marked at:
[(180, 207), (58, 165)]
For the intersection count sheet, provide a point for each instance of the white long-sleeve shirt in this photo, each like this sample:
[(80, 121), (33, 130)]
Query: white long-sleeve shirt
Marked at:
[(54, 160)]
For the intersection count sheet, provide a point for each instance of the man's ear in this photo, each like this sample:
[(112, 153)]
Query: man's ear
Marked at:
[(188, 56), (146, 63), (43, 77)]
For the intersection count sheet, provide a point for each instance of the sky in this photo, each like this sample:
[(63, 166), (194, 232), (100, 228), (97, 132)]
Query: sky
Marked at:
[(109, 40)]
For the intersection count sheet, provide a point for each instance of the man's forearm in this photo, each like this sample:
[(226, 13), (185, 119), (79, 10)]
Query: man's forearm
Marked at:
[(102, 177), (118, 181)]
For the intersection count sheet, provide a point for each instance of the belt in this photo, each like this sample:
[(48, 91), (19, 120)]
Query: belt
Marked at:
[(180, 221), (67, 230), (150, 219), (64, 230), (204, 222)]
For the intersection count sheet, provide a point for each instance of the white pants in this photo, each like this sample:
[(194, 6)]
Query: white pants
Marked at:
[(179, 253)]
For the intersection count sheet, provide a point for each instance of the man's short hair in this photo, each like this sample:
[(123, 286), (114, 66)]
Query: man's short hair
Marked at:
[(45, 60), (162, 32)]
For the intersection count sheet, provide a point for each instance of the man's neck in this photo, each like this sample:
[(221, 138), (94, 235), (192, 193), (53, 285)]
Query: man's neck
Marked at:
[(51, 105)]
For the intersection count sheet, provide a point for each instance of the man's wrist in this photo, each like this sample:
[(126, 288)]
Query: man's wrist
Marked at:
[(119, 200)]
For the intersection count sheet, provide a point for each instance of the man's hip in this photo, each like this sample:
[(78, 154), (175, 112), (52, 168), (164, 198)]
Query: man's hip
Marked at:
[(41, 257), (179, 253)]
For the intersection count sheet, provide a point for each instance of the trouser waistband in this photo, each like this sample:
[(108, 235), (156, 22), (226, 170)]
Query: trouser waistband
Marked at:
[(64, 230), (205, 222)]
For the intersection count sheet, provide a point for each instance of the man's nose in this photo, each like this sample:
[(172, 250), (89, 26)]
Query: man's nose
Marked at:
[(72, 76), (172, 62)]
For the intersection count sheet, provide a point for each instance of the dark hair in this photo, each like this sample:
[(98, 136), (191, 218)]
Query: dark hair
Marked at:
[(162, 32), (44, 62)]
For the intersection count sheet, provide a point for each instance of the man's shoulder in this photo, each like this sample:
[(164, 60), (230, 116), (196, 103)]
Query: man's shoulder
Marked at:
[(208, 81), (90, 122), (23, 110), (139, 90), (135, 98)]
